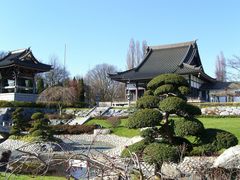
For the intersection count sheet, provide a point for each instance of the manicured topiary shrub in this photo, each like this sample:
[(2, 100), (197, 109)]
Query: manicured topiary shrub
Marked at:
[(148, 93), (191, 110), (184, 90), (166, 139), (19, 122), (219, 138), (137, 148), (167, 88), (180, 142), (172, 104), (157, 153), (149, 134), (203, 150), (147, 102), (185, 127), (73, 129), (167, 79), (145, 118), (41, 128)]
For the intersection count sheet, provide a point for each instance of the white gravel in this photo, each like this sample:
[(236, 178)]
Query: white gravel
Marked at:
[(118, 142)]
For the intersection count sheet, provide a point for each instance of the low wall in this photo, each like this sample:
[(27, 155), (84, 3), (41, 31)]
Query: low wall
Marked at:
[(18, 97), (221, 110)]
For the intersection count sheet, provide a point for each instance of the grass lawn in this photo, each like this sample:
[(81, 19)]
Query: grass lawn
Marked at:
[(121, 130), (229, 124), (26, 177)]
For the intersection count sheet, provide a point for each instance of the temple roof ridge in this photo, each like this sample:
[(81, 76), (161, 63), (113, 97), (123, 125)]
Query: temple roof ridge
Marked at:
[(174, 45)]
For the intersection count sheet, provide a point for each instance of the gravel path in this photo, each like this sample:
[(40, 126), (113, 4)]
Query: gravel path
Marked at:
[(112, 140)]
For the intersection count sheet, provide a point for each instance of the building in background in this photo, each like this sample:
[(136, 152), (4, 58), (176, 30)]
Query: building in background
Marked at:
[(17, 75), (182, 59)]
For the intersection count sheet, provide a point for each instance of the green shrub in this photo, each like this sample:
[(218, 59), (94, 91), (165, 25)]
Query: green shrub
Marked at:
[(149, 134), (186, 127), (191, 110), (137, 148), (19, 122), (218, 138), (203, 150), (167, 79), (37, 115), (163, 89), (184, 90), (180, 141), (62, 116), (148, 93), (40, 127), (147, 102), (157, 153), (37, 133), (144, 118), (41, 104), (73, 129), (172, 104)]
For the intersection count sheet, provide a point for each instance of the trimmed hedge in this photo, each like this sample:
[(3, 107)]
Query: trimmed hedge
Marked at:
[(145, 118), (157, 153), (172, 104), (164, 89), (41, 104), (184, 90), (188, 127), (137, 148), (148, 102), (218, 138), (192, 110), (75, 129), (167, 79)]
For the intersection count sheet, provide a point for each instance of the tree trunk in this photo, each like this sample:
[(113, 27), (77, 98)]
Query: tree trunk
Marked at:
[(167, 129)]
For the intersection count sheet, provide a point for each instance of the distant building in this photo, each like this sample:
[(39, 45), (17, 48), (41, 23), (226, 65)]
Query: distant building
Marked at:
[(182, 59), (17, 75)]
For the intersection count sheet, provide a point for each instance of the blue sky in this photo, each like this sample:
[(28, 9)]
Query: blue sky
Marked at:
[(99, 31)]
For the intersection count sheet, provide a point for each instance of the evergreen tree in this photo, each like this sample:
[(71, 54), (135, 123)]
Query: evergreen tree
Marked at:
[(41, 128), (40, 85), (19, 123), (81, 90), (167, 94)]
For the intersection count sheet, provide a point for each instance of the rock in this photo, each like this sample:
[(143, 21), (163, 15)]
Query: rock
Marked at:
[(101, 131), (229, 159), (224, 113), (170, 170)]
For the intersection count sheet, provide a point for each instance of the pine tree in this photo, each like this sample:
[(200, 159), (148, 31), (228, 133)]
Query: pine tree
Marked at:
[(41, 128), (81, 90), (19, 123)]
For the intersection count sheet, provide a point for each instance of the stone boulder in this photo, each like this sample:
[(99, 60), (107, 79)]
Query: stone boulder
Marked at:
[(229, 159), (101, 131)]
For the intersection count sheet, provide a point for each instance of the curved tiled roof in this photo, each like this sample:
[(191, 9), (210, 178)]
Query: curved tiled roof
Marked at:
[(23, 58), (181, 58)]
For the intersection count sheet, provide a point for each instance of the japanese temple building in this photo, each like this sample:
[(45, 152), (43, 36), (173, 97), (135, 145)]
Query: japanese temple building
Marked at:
[(17, 75), (182, 59)]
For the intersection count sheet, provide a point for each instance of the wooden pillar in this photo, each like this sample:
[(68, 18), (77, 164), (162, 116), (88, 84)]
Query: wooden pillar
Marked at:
[(15, 81), (34, 85), (136, 91)]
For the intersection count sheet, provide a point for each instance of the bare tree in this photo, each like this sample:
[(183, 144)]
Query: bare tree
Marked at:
[(144, 48), (57, 75), (101, 87), (135, 53), (58, 94), (234, 65), (2, 54), (220, 71)]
